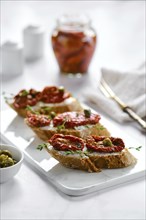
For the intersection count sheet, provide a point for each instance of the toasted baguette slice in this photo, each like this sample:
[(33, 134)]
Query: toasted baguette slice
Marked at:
[(70, 104), (45, 133), (112, 160), (21, 111), (76, 161), (93, 162)]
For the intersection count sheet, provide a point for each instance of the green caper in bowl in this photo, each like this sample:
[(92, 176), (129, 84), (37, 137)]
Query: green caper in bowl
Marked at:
[(10, 161), (6, 159)]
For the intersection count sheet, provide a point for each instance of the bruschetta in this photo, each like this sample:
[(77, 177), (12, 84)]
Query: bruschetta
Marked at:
[(80, 124), (51, 98), (92, 154)]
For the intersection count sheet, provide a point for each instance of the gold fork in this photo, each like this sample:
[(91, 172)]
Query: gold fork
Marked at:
[(107, 91)]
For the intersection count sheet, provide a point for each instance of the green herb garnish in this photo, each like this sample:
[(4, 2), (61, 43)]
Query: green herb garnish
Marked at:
[(29, 108), (69, 152), (10, 94), (41, 146), (79, 151), (86, 126), (87, 113), (62, 126), (24, 93), (45, 110), (136, 148), (86, 153), (7, 96), (100, 127)]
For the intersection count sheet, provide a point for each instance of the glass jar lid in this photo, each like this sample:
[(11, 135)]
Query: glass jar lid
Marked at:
[(73, 22)]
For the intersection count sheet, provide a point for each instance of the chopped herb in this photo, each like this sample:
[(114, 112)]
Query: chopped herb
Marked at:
[(45, 110), (24, 93), (51, 115), (7, 96), (79, 151), (29, 108), (74, 152), (86, 126), (87, 113), (41, 146), (136, 148), (4, 93), (62, 126), (59, 127), (86, 153), (69, 152), (100, 127)]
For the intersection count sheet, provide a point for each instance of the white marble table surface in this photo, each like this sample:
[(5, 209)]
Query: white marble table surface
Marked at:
[(121, 30)]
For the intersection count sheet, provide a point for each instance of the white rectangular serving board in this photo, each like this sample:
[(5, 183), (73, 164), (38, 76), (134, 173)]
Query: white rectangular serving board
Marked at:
[(72, 182)]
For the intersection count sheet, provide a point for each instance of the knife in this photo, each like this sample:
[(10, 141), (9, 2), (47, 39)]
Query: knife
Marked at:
[(107, 91)]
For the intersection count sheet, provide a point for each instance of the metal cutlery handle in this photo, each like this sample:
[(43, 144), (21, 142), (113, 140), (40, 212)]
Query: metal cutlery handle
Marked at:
[(110, 94), (133, 115)]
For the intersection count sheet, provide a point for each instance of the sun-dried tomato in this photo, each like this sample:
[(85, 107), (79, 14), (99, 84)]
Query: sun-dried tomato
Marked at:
[(95, 143), (53, 94), (25, 98), (74, 49), (73, 119), (38, 120), (66, 142)]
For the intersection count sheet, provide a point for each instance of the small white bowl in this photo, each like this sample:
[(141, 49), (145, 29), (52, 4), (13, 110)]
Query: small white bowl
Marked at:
[(7, 173)]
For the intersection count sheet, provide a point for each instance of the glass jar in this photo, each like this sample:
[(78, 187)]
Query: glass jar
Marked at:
[(74, 42)]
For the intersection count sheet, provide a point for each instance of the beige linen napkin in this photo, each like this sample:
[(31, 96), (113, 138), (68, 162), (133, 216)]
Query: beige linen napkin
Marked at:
[(128, 86)]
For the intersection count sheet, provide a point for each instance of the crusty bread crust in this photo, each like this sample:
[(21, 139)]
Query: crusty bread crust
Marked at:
[(98, 130), (21, 111), (74, 162), (96, 162), (113, 160), (72, 106)]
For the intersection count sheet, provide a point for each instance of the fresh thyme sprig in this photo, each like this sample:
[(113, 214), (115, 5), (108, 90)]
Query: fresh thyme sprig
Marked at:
[(136, 148), (24, 93), (71, 152), (41, 146), (62, 126), (29, 108), (45, 110), (100, 127), (7, 96), (80, 152)]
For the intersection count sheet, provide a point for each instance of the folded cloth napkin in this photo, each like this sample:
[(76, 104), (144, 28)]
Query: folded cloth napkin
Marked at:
[(130, 87)]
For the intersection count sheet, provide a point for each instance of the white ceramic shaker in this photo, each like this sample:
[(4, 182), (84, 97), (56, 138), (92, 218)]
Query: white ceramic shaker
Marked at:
[(12, 61), (33, 39)]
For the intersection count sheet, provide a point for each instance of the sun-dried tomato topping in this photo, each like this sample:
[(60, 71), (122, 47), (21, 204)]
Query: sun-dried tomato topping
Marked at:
[(100, 144), (38, 120), (50, 94), (25, 98), (73, 119), (73, 49), (66, 142), (53, 94)]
